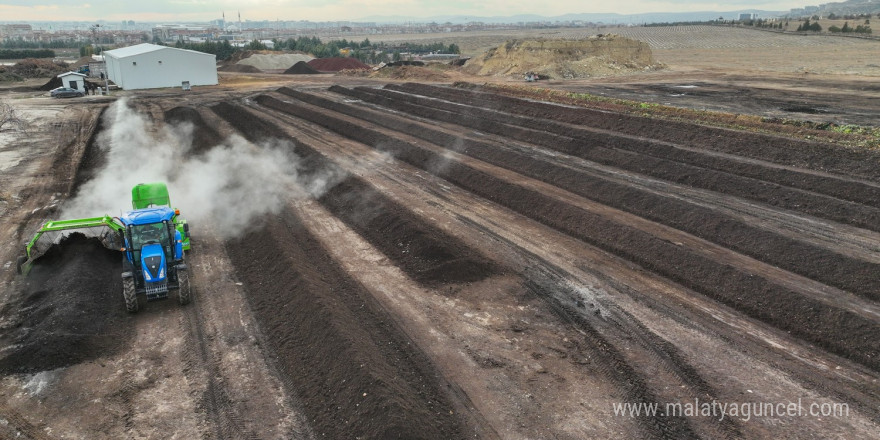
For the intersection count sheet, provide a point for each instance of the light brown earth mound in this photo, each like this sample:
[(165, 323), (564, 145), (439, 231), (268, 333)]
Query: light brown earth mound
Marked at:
[(277, 61), (411, 73), (600, 55), (269, 60)]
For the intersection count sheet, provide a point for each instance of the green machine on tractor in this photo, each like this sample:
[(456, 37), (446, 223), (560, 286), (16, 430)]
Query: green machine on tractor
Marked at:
[(152, 238)]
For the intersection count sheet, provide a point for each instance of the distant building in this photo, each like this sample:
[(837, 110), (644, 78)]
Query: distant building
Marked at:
[(747, 17), (97, 67), (73, 80), (149, 66), (15, 30), (176, 32)]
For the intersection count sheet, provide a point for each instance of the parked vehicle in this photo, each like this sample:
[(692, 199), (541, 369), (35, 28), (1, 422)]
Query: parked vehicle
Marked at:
[(65, 92)]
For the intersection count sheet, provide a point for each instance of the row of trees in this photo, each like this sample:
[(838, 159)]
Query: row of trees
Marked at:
[(814, 27), (806, 26), (12, 54), (18, 43), (833, 16), (860, 29), (765, 24), (222, 49), (365, 51)]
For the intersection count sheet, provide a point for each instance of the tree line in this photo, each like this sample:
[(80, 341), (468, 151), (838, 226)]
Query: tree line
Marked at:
[(14, 54), (859, 29), (364, 51)]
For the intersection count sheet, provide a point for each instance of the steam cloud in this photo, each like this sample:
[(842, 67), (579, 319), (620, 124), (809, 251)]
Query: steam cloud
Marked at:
[(229, 187)]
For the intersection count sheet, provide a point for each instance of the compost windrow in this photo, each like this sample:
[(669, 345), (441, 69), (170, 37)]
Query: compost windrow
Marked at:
[(69, 309), (793, 152), (204, 137), (806, 259), (352, 369), (426, 253), (839, 331), (656, 159)]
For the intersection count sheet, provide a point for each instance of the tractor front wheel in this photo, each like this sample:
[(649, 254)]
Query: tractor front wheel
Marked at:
[(129, 292), (183, 292)]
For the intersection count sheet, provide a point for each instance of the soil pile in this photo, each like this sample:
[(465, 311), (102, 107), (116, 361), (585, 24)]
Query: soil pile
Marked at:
[(301, 68), (600, 55), (410, 72), (337, 64), (83, 61), (69, 311), (36, 68), (242, 68), (53, 83), (274, 60), (204, 137)]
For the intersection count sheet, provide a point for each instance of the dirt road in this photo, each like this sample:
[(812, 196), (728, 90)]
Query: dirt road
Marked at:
[(448, 262)]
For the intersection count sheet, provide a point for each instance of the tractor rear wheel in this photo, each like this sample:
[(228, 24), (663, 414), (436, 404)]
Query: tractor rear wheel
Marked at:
[(183, 292), (128, 291)]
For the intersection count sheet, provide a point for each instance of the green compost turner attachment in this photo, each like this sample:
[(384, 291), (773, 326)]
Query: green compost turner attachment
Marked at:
[(106, 229)]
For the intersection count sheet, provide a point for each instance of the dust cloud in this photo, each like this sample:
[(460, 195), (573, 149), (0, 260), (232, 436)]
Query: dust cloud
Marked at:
[(229, 187)]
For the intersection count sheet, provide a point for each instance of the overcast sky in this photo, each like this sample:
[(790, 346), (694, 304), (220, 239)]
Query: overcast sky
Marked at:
[(343, 10)]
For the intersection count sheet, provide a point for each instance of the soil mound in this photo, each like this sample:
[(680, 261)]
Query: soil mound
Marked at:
[(242, 68), (204, 137), (83, 61), (37, 68), (411, 72), (53, 83), (600, 55), (337, 64), (274, 60), (301, 68), (69, 311)]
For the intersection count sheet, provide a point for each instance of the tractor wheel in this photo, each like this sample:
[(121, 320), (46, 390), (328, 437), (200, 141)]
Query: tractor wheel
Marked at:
[(183, 292), (19, 263), (128, 291)]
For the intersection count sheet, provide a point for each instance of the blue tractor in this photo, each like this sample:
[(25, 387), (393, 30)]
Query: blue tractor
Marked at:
[(153, 261), (152, 238)]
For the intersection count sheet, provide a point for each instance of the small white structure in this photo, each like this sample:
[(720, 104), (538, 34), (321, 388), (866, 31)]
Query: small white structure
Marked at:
[(73, 80), (150, 66)]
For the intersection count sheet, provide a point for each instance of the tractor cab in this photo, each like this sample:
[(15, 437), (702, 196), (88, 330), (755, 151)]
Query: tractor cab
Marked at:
[(151, 195)]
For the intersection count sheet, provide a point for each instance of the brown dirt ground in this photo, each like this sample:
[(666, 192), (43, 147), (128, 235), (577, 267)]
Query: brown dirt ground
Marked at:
[(488, 265)]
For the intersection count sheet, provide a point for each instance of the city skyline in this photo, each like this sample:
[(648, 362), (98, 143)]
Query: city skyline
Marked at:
[(347, 10)]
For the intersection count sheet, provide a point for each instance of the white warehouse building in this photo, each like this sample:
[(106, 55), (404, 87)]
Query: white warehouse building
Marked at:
[(150, 66)]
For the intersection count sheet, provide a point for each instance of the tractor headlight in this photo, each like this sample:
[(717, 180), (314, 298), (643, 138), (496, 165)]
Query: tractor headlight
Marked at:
[(161, 273), (147, 275)]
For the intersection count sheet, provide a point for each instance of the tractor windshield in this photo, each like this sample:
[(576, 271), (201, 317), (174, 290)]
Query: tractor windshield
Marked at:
[(155, 233)]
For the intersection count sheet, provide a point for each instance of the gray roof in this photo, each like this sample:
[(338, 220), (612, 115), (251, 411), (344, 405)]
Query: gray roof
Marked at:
[(141, 49)]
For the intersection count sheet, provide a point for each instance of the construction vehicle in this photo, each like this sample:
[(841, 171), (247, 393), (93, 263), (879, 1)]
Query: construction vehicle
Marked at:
[(152, 238)]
